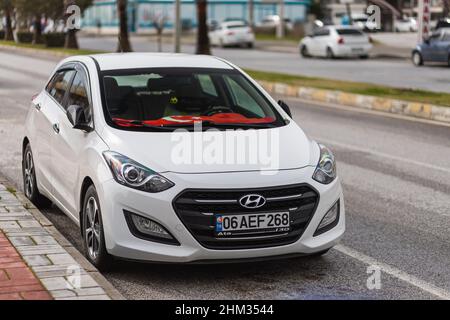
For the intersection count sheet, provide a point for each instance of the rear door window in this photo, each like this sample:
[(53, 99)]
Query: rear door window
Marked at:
[(59, 85)]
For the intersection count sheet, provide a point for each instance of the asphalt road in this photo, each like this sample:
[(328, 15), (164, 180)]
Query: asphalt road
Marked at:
[(389, 72), (396, 179)]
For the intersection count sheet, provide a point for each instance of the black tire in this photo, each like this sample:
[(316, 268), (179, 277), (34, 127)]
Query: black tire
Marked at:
[(30, 182), (417, 59), (364, 56), (448, 61), (304, 52), (250, 45), (330, 54), (94, 238)]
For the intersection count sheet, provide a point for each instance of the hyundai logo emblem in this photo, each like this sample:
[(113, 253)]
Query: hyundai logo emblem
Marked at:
[(252, 201)]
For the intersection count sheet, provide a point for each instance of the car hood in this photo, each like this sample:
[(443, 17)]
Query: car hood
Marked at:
[(281, 148)]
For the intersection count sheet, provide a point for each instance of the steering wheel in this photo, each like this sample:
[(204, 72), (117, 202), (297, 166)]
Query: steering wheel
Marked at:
[(217, 109)]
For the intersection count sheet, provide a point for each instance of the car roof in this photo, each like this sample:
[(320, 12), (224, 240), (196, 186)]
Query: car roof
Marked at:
[(121, 61)]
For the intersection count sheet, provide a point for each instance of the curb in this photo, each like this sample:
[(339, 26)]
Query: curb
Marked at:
[(399, 107), (94, 286)]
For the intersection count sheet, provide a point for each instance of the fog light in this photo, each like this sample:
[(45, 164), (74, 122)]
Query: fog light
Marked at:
[(329, 221), (148, 229)]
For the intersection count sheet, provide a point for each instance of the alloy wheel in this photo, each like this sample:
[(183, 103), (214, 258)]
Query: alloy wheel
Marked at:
[(92, 228), (29, 174)]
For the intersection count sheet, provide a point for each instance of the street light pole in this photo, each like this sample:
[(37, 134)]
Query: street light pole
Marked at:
[(280, 26), (177, 27)]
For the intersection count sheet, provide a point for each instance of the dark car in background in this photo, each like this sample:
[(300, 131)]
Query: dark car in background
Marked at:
[(435, 49)]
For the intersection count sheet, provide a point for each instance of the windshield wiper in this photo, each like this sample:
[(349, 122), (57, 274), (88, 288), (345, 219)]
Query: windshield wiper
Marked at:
[(205, 125)]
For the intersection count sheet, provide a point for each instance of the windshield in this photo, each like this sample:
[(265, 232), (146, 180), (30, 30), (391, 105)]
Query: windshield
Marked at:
[(173, 98)]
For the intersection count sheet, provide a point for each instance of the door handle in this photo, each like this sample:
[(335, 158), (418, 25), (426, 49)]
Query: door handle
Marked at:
[(38, 106), (56, 128)]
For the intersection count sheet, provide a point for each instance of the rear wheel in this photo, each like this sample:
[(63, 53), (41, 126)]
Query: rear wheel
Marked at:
[(330, 54), (364, 56), (30, 182), (93, 232), (250, 45), (448, 61), (417, 59)]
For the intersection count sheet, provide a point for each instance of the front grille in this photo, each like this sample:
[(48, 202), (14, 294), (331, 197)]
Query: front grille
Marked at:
[(197, 210)]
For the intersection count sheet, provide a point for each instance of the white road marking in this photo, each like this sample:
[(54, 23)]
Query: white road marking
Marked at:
[(394, 272), (382, 154)]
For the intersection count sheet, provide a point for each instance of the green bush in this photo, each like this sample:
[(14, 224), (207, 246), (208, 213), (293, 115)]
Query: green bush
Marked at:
[(54, 39), (25, 37)]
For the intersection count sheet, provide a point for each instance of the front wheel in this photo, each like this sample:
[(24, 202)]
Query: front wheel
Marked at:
[(304, 52), (417, 59), (30, 182), (93, 232)]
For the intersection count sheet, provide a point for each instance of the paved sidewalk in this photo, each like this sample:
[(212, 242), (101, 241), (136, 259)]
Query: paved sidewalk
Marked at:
[(17, 281), (35, 262)]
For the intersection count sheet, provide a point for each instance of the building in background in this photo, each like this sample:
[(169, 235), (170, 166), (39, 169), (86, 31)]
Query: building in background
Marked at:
[(141, 13), (411, 8)]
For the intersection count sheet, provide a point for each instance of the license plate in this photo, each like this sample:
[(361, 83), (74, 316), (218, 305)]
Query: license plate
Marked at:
[(357, 50), (228, 225)]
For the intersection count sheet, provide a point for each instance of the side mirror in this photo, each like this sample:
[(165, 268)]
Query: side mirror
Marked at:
[(285, 107), (77, 118)]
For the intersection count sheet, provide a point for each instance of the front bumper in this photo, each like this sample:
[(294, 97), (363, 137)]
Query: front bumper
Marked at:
[(115, 198)]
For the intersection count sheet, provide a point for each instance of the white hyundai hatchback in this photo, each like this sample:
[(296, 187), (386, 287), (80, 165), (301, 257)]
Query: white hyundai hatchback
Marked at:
[(178, 158)]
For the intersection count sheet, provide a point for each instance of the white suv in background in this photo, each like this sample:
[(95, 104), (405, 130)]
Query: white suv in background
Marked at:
[(129, 146), (336, 41)]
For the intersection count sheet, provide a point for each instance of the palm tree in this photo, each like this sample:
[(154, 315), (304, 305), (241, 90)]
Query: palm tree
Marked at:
[(202, 31), (124, 40), (6, 7)]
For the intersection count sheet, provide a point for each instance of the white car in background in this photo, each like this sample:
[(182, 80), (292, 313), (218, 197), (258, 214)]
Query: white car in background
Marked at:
[(336, 41), (406, 25), (232, 33)]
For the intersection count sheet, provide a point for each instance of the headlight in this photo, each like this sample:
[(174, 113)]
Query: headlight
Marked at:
[(134, 175), (326, 168)]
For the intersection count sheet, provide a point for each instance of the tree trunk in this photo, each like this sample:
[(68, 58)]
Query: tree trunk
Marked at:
[(37, 32), (202, 30), (71, 39), (9, 36), (124, 40), (71, 34)]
